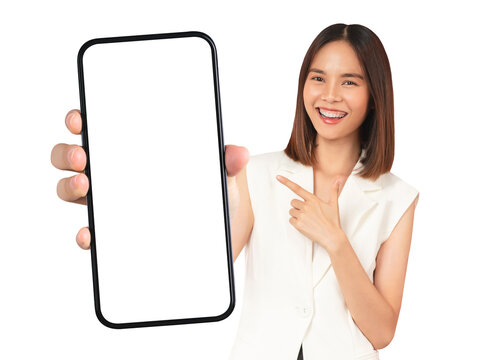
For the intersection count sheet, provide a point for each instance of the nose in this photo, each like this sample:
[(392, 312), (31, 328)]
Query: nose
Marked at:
[(330, 93)]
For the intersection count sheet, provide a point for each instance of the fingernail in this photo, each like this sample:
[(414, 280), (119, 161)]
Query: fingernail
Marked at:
[(69, 119), (73, 182), (71, 153)]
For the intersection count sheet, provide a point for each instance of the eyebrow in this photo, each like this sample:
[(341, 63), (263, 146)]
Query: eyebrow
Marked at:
[(354, 75)]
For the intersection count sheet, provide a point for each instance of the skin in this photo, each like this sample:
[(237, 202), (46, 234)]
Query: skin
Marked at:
[(374, 306), (74, 189), (338, 144)]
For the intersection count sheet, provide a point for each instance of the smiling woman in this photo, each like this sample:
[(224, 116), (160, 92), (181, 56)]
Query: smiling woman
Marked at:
[(327, 254), (335, 86), (351, 75), (327, 241)]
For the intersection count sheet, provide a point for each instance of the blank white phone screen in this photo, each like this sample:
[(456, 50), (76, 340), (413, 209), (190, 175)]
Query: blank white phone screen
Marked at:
[(156, 180)]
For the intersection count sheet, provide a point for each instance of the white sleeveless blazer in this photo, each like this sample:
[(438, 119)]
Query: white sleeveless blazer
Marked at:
[(291, 294)]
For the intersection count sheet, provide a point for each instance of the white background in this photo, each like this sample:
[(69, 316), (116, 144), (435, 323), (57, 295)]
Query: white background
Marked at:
[(46, 295)]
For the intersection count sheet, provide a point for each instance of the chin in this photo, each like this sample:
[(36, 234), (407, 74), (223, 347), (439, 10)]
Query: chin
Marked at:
[(329, 135)]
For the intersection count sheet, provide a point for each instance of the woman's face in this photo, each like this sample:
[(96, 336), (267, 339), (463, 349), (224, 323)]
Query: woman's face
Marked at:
[(335, 92)]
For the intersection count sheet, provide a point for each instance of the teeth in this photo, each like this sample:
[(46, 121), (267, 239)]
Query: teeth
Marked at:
[(331, 114)]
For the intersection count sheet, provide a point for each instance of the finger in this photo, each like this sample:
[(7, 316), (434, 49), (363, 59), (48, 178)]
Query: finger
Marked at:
[(73, 121), (334, 189), (294, 212), (83, 238), (294, 187), (298, 204), (74, 188), (236, 158), (68, 157), (81, 201)]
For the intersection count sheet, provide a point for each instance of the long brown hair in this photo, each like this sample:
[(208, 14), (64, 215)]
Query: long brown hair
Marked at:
[(377, 130)]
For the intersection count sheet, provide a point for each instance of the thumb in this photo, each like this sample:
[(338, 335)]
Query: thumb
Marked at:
[(335, 190), (236, 158), (335, 197)]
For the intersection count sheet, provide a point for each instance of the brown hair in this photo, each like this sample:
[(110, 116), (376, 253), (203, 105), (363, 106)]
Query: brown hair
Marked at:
[(377, 130)]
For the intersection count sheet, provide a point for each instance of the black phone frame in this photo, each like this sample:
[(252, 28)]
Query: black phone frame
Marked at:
[(89, 195)]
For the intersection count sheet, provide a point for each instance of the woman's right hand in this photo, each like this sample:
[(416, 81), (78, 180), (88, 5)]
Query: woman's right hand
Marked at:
[(73, 158), (74, 188)]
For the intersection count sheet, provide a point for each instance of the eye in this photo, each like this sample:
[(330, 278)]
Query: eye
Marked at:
[(317, 77), (352, 83)]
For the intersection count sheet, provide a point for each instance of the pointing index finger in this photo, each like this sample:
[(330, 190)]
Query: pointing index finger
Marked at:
[(294, 187)]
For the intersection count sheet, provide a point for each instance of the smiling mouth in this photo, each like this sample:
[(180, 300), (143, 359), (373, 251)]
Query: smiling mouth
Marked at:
[(332, 115)]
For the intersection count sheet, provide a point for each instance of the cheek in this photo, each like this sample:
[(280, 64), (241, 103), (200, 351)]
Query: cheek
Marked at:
[(306, 94), (358, 102), (310, 94)]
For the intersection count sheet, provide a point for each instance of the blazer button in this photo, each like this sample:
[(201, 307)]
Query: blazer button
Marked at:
[(304, 311)]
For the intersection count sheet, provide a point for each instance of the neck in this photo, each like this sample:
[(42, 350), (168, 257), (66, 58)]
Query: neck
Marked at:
[(336, 157)]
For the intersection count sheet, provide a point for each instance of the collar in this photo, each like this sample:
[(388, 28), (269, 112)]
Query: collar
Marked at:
[(354, 207), (294, 167)]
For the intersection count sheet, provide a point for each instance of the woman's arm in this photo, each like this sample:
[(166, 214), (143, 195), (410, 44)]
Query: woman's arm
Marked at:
[(242, 223), (375, 307)]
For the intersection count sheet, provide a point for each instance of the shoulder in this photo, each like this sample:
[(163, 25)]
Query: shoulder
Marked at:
[(396, 188), (397, 195), (266, 161), (258, 172), (269, 157)]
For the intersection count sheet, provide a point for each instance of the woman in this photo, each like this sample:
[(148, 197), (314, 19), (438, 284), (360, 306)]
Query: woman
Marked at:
[(325, 266), (325, 262)]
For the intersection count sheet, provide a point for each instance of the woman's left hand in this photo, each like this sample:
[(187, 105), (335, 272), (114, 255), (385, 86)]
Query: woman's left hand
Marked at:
[(314, 218)]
